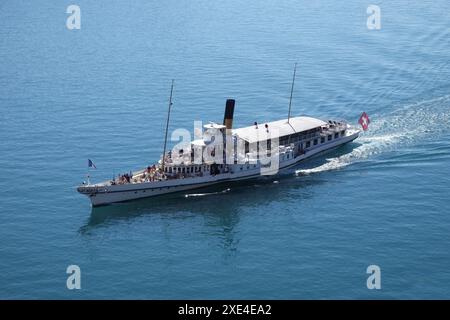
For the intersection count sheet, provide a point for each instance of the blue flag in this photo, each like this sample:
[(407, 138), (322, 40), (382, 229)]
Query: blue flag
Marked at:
[(91, 164)]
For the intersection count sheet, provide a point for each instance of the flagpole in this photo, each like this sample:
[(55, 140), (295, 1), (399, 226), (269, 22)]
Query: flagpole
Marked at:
[(90, 164)]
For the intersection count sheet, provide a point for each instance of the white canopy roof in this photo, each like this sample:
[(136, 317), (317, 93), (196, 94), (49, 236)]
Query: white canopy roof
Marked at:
[(277, 129)]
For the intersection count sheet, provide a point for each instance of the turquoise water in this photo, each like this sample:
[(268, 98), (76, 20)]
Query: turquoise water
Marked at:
[(101, 93)]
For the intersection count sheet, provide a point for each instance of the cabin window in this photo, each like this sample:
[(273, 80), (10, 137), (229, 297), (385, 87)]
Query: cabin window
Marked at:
[(329, 137), (170, 169), (293, 138), (315, 141), (183, 170), (342, 132), (308, 144), (287, 156), (336, 135), (241, 168), (322, 140)]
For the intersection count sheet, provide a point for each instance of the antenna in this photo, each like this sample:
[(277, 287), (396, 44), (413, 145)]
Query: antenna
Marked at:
[(167, 127), (292, 90)]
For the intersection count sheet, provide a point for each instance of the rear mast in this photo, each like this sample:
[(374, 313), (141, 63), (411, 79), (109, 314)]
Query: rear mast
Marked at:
[(167, 128), (292, 90)]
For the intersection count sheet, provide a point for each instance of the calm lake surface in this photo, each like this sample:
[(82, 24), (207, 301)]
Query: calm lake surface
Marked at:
[(101, 93)]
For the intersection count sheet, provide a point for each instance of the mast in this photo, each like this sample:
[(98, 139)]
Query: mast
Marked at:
[(167, 128), (292, 90)]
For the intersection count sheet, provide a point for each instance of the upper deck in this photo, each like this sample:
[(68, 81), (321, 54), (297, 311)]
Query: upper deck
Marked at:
[(278, 129)]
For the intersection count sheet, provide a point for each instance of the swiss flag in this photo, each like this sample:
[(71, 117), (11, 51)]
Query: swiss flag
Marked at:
[(364, 121)]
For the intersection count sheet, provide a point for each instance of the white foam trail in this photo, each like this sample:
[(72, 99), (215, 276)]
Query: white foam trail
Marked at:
[(410, 123), (371, 146), (206, 194)]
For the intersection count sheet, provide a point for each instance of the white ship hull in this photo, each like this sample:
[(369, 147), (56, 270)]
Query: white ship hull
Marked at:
[(106, 194)]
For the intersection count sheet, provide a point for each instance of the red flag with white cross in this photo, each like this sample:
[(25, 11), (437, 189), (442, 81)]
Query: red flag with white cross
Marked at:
[(364, 121)]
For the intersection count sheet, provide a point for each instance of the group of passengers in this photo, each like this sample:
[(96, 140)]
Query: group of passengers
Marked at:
[(152, 173), (125, 178)]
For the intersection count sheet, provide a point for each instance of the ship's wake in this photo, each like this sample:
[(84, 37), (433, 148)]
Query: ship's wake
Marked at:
[(409, 124)]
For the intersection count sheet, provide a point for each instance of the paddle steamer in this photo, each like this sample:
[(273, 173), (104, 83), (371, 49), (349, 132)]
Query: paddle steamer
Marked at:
[(224, 154)]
